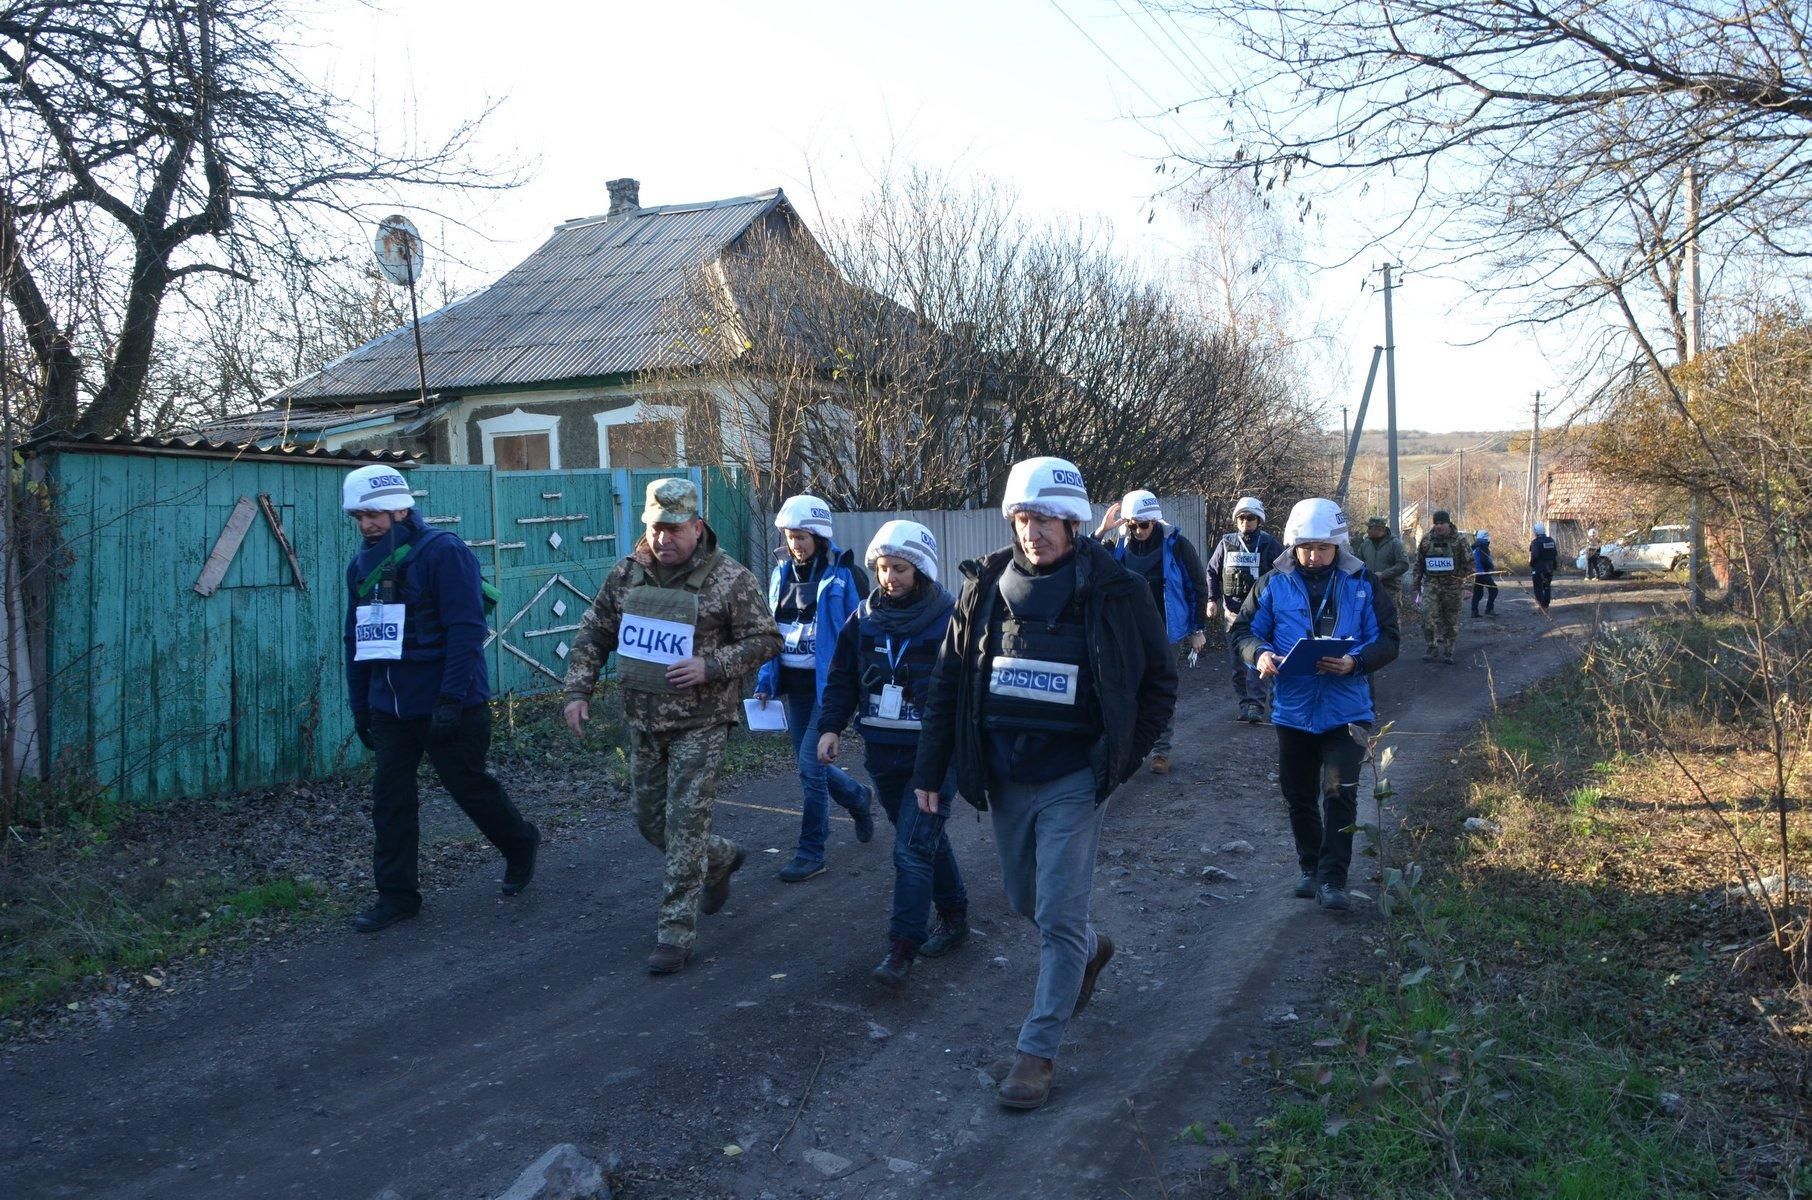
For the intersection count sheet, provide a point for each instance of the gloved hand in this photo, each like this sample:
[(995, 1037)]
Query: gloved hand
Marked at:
[(361, 725), (445, 725)]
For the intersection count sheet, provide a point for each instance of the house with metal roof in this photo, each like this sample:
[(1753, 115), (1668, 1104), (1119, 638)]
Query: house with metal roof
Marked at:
[(549, 366)]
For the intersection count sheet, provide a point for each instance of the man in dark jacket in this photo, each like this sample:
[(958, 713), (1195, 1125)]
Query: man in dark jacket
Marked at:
[(1544, 560), (416, 681), (1149, 546), (1053, 683), (1239, 561)]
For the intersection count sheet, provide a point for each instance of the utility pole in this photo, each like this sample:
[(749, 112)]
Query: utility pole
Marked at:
[(1352, 441), (1530, 515), (1428, 488), (1459, 488), (1390, 405), (1695, 316)]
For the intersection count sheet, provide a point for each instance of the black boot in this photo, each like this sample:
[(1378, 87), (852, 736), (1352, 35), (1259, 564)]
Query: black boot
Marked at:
[(896, 968), (386, 912), (951, 931)]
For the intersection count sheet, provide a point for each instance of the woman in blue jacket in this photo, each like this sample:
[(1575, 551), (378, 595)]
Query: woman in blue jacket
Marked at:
[(813, 590), (881, 677), (1319, 589)]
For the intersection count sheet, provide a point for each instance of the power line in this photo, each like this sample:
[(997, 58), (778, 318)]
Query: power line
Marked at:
[(1102, 50), (1188, 80)]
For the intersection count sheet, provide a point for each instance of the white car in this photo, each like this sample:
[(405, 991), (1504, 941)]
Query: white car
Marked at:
[(1660, 549)]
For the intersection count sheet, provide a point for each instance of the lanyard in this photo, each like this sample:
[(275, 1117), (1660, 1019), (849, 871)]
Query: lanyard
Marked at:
[(1315, 625), (893, 659)]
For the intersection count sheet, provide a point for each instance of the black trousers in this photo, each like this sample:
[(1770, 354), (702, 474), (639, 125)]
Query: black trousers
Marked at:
[(396, 802), (1319, 776), (1480, 590), (1542, 584)]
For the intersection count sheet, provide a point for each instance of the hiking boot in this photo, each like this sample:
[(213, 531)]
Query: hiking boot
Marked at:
[(666, 959), (1251, 711), (1334, 898), (717, 888), (1104, 950), (1028, 1084), (799, 870), (519, 870), (896, 968), (1447, 659), (951, 931), (1305, 888), (864, 817), (386, 912), (1160, 764)]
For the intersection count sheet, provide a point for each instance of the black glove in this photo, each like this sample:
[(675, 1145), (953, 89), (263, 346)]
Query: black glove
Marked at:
[(445, 726), (361, 725)]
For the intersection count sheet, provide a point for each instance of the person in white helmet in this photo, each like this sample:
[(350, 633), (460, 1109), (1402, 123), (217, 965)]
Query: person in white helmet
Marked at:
[(1544, 560), (1150, 547), (1484, 574), (880, 677), (1053, 683), (1594, 552), (417, 684), (1234, 569), (1320, 589), (813, 589)]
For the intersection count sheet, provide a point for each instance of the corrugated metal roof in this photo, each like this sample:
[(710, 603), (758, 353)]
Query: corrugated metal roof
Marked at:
[(199, 447), (288, 421), (591, 302)]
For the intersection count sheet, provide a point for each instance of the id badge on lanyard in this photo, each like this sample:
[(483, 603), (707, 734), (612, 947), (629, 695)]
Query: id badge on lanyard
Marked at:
[(377, 633), (893, 696)]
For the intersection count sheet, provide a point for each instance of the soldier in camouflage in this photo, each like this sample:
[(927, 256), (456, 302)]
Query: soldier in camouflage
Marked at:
[(689, 625), (1443, 568)]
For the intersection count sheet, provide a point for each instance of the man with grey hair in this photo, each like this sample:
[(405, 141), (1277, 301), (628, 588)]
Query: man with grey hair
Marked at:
[(1054, 681), (689, 625)]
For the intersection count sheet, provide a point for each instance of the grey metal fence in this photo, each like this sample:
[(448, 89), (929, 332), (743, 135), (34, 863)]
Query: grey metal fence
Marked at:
[(972, 533)]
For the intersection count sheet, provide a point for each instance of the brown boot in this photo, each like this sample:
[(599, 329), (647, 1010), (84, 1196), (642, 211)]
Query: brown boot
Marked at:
[(1104, 950), (717, 888), (1161, 765), (666, 960), (1028, 1084)]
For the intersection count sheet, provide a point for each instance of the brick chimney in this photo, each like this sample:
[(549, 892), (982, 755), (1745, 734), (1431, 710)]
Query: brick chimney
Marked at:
[(625, 196)]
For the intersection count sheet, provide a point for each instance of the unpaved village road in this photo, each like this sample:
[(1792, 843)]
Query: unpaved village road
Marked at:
[(439, 1058)]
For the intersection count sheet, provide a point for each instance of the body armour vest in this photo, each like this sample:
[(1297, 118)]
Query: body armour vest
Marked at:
[(1039, 680), (657, 627), (1239, 567), (893, 663), (1440, 559)]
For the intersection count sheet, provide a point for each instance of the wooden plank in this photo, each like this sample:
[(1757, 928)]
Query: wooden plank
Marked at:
[(225, 547), (289, 551)]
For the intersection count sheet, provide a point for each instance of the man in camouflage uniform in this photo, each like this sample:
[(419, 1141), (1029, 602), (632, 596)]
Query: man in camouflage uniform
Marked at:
[(688, 625), (1443, 568)]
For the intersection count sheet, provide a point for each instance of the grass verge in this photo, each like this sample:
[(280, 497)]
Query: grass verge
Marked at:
[(1568, 999), (99, 900)]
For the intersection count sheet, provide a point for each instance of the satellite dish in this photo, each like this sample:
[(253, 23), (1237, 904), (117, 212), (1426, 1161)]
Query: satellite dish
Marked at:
[(399, 250)]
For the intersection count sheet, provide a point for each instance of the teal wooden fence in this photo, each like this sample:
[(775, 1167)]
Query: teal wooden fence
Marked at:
[(162, 692)]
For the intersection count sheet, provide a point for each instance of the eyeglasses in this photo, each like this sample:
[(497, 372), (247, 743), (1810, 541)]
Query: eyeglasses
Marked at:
[(1143, 526)]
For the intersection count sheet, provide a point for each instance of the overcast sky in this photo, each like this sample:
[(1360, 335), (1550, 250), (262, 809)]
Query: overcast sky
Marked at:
[(703, 100)]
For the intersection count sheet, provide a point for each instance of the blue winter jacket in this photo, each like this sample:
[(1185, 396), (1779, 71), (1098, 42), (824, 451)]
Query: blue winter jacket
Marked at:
[(1182, 601), (1484, 567), (839, 592), (444, 628), (1276, 616)]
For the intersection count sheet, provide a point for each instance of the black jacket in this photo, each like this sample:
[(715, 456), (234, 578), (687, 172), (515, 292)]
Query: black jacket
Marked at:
[(1130, 659)]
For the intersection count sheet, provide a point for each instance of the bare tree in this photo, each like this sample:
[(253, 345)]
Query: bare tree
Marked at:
[(147, 143), (909, 355)]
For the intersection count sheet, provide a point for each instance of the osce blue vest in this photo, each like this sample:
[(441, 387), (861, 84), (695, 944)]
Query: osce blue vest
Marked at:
[(837, 598), (1180, 600), (907, 667)]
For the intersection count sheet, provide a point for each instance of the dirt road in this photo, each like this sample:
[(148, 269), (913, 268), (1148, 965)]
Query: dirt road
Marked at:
[(439, 1058)]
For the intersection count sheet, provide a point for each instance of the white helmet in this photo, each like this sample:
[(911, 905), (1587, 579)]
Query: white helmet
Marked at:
[(1483, 535), (1249, 504), (1140, 505), (1541, 529), (908, 540), (1314, 520), (809, 513), (378, 488), (1050, 487)]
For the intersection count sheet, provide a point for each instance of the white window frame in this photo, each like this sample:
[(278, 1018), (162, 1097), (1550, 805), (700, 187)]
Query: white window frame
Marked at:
[(519, 422), (634, 413)]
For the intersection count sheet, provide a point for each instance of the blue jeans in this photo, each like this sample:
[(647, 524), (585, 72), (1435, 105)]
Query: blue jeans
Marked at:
[(924, 864), (819, 783), (1047, 835)]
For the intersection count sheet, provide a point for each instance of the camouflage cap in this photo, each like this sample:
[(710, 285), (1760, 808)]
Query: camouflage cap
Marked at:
[(670, 501)]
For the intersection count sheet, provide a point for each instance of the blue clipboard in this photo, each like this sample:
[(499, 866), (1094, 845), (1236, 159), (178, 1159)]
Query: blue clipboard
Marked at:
[(1307, 652)]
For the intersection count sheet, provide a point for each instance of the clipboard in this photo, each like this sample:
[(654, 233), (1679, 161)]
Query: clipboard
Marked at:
[(1307, 652), (771, 719)]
